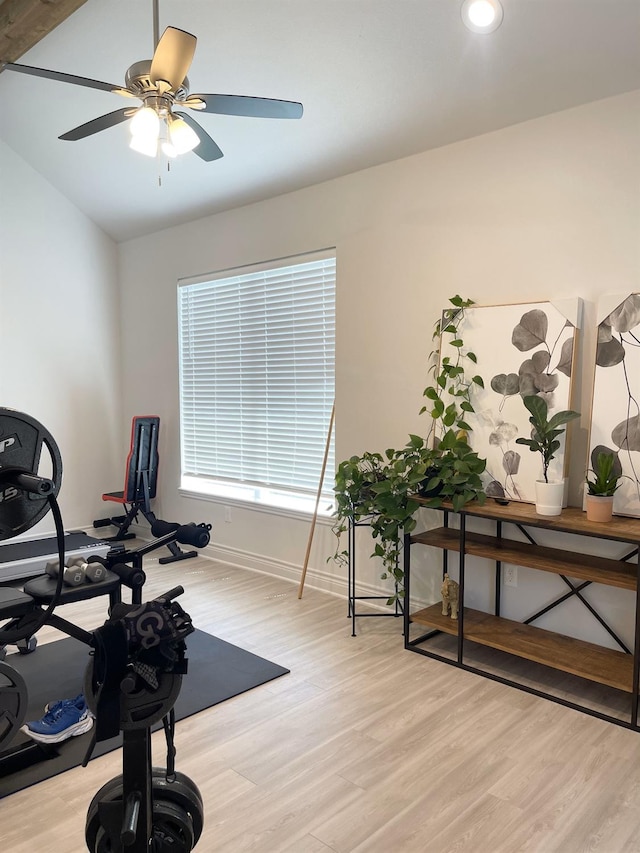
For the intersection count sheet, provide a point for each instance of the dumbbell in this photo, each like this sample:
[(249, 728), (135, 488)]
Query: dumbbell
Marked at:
[(72, 575), (77, 571), (93, 572)]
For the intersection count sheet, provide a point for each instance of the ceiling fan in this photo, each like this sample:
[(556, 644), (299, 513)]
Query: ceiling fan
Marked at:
[(161, 84)]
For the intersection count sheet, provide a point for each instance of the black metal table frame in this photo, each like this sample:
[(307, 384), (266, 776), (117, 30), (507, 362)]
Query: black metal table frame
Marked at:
[(351, 583), (414, 644)]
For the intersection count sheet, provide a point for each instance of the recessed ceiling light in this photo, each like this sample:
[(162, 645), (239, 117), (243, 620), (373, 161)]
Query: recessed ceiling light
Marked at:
[(482, 16)]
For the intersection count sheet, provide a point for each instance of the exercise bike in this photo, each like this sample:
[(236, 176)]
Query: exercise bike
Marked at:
[(135, 671)]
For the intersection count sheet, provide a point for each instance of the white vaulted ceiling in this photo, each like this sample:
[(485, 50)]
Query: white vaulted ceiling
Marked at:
[(379, 80)]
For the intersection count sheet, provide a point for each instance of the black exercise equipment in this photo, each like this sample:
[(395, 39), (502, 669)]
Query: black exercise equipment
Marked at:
[(24, 494), (135, 672), (132, 683), (28, 610), (13, 704), (141, 478)]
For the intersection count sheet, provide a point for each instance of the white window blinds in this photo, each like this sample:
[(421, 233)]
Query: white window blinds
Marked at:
[(257, 356)]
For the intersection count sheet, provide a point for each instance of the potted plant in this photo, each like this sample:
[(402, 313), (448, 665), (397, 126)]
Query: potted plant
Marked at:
[(607, 472), (383, 489), (545, 434)]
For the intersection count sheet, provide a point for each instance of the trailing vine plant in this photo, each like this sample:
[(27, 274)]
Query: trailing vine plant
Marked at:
[(449, 372), (382, 488)]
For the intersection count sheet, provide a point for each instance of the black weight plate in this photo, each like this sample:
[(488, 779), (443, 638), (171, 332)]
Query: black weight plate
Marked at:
[(21, 441), (184, 792), (14, 702), (173, 830), (143, 707), (110, 792)]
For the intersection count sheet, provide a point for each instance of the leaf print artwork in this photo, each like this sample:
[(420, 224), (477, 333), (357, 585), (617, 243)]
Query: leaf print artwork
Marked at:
[(615, 415), (524, 350)]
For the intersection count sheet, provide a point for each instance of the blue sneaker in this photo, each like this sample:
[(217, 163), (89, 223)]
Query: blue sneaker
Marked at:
[(65, 719), (54, 706)]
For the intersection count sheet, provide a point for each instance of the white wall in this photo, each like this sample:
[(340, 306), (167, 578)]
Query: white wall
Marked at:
[(546, 209), (59, 334)]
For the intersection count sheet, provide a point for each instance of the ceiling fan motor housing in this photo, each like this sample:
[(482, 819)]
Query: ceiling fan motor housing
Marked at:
[(138, 82)]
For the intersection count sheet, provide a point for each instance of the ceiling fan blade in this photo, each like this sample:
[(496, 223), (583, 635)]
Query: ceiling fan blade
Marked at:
[(242, 105), (172, 57), (207, 149), (97, 124), (61, 76)]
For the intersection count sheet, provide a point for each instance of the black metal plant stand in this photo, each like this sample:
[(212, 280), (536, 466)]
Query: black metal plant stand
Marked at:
[(352, 613)]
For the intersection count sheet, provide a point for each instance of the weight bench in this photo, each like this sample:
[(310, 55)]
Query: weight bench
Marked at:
[(38, 593), (141, 478)]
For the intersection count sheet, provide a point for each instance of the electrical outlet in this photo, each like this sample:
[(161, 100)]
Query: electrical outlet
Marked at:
[(227, 514), (511, 576)]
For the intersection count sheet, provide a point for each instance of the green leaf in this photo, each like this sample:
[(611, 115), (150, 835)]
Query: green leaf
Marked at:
[(562, 418), (478, 381), (457, 343), (472, 357), (458, 502)]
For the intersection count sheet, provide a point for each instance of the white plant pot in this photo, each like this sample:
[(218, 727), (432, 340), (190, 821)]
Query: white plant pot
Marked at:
[(549, 497)]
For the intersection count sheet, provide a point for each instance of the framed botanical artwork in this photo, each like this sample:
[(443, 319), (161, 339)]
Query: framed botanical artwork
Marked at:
[(521, 350), (615, 411)]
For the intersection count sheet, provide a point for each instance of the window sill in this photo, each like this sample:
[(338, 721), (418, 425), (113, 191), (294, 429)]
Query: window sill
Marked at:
[(254, 506)]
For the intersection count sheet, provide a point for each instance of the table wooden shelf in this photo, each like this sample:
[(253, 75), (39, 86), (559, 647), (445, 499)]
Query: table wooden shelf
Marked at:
[(596, 663), (556, 560), (587, 660)]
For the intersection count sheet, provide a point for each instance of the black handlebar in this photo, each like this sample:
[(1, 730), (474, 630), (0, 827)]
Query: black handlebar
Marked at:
[(173, 593), (23, 479)]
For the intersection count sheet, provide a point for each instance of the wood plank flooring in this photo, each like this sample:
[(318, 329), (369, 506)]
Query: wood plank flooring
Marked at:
[(363, 748)]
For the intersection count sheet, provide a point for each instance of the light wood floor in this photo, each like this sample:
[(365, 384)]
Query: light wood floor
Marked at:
[(363, 747)]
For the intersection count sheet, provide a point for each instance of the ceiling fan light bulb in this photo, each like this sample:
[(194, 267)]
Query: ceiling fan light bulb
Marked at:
[(183, 138), (145, 122), (144, 145)]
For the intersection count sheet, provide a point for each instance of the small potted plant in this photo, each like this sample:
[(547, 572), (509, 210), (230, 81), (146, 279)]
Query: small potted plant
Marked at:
[(545, 434), (607, 472)]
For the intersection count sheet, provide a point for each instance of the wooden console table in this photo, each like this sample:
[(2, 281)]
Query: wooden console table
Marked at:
[(618, 669)]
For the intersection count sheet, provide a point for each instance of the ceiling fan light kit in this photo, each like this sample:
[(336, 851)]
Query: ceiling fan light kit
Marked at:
[(482, 16), (155, 125), (162, 84)]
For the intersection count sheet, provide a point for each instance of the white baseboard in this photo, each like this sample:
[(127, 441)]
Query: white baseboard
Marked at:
[(333, 582), (325, 581)]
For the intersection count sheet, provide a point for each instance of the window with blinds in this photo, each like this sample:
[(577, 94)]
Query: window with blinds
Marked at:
[(257, 363)]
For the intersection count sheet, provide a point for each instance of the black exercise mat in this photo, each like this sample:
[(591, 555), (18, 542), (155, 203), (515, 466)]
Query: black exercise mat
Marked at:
[(217, 671)]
